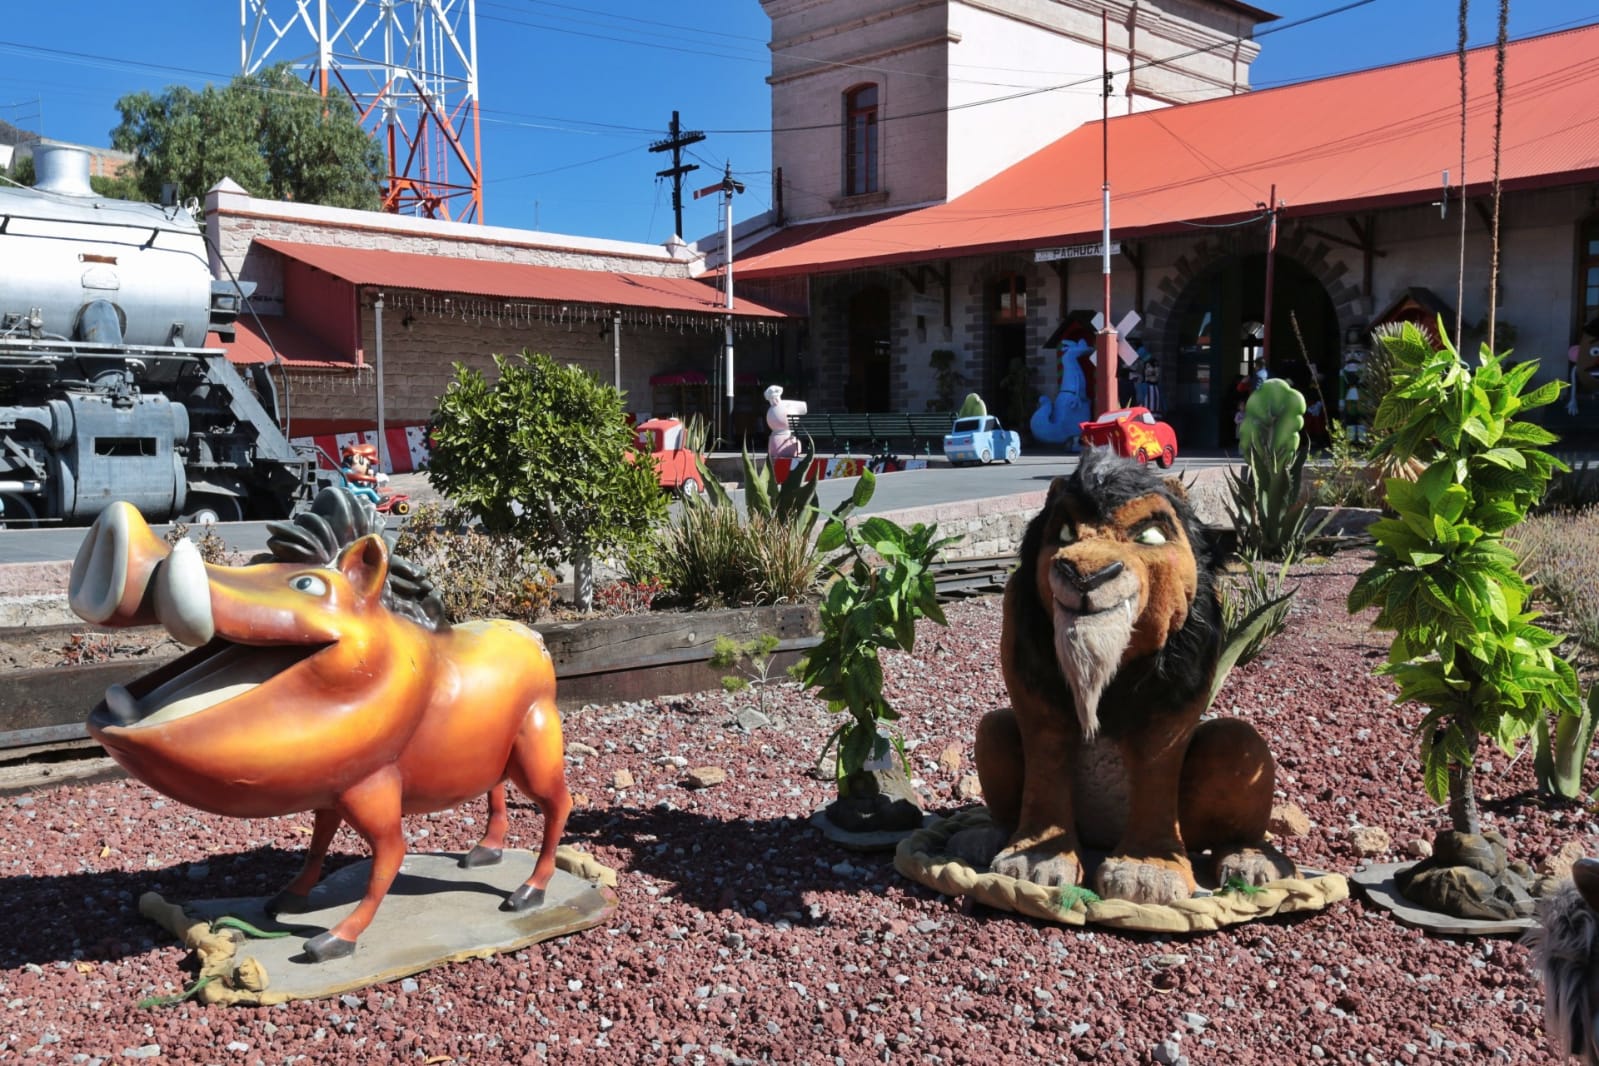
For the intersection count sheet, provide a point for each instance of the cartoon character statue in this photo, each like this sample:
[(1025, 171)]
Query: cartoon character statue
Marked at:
[(361, 465), (782, 444), (1583, 373), (329, 680), (1057, 420)]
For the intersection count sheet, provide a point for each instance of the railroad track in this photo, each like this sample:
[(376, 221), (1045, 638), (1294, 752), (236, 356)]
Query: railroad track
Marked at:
[(46, 707)]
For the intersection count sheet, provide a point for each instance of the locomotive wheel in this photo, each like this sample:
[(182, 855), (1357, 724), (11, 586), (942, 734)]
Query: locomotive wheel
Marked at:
[(207, 509), (17, 513)]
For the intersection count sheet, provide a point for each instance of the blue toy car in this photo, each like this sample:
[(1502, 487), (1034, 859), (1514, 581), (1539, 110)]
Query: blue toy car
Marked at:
[(981, 439)]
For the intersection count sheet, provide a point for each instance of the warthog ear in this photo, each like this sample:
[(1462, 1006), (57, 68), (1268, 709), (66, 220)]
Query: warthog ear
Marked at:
[(1175, 486), (365, 565)]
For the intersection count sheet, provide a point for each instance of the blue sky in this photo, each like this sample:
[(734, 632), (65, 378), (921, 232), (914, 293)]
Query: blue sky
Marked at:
[(573, 92)]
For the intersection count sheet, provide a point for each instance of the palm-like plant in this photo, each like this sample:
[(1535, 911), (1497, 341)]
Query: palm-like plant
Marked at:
[(1443, 581)]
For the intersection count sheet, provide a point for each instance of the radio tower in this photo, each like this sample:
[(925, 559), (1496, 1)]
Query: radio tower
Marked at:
[(409, 66)]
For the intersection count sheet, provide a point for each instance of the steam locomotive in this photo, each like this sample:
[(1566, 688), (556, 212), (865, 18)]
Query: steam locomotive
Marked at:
[(107, 389)]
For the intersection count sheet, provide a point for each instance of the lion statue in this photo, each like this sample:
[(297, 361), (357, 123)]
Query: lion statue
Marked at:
[(1110, 643)]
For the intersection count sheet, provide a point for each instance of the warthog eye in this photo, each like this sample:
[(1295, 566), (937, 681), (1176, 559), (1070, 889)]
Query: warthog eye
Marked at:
[(1151, 535), (1067, 534), (309, 584)]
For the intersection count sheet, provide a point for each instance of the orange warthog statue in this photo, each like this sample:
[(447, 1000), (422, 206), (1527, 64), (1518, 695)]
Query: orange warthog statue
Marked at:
[(325, 680)]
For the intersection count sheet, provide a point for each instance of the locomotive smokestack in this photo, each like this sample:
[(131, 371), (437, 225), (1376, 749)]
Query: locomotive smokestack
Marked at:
[(61, 169)]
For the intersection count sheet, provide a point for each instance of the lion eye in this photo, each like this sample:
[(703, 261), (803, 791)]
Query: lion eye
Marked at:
[(309, 584), (1067, 534), (1150, 535)]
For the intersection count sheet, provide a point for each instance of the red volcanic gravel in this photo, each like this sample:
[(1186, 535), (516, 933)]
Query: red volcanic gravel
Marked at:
[(744, 936)]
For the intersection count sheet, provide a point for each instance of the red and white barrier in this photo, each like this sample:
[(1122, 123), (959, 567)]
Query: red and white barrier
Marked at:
[(406, 447)]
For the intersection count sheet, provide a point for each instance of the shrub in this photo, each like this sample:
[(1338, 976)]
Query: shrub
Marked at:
[(477, 574), (705, 558), (544, 452), (882, 584), (1443, 581), (1559, 556), (711, 557), (1254, 609)]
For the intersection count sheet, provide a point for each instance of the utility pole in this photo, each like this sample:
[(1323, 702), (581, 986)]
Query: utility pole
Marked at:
[(727, 187), (1105, 398), (678, 140), (1271, 269)]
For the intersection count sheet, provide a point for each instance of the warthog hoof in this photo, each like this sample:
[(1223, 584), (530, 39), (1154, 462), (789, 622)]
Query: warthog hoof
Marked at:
[(326, 946), (480, 856), (524, 898)]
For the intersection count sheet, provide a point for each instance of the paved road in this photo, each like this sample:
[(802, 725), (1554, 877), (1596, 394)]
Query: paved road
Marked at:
[(895, 492)]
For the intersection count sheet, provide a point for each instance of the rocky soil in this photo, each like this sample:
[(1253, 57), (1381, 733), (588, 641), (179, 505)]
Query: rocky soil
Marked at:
[(744, 937)]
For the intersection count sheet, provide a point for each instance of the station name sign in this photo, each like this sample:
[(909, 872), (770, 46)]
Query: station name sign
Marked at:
[(1074, 251)]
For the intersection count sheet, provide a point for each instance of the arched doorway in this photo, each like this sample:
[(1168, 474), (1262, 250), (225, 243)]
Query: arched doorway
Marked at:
[(870, 353), (1216, 331)]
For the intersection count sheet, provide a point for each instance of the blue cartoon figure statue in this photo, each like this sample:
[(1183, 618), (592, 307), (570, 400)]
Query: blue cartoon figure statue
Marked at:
[(1056, 421)]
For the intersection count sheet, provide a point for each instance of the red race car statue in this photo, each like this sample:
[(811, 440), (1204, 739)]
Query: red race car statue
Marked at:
[(1133, 432)]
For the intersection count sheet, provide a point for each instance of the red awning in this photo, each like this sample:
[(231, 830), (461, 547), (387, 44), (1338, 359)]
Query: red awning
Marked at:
[(283, 339), (515, 281), (1375, 138)]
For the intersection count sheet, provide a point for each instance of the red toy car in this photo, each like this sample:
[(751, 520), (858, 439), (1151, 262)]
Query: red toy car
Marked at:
[(677, 466), (1133, 432)]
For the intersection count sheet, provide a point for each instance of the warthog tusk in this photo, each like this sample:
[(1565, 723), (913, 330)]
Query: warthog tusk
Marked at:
[(183, 595)]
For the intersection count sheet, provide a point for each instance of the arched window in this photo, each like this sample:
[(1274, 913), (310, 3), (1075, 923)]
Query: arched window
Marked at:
[(860, 140)]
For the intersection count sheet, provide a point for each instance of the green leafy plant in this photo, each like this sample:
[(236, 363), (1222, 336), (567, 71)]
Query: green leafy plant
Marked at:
[(1268, 505), (751, 662), (883, 583), (1254, 609), (1443, 581), (711, 556), (544, 452), (1343, 478)]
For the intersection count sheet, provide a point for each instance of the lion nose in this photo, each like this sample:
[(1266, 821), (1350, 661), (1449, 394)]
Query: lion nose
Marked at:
[(1087, 583)]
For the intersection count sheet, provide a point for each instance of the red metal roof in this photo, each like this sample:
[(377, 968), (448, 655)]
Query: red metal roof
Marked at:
[(514, 281), (1369, 139), (292, 344)]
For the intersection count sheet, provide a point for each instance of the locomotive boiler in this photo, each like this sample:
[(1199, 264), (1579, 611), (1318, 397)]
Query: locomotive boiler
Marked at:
[(108, 390)]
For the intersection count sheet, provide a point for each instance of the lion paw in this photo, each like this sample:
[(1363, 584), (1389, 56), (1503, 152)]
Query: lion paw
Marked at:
[(1254, 866), (1041, 866), (1143, 882), (977, 846)]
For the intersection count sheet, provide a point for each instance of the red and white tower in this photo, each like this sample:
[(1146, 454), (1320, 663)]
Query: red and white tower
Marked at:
[(409, 66)]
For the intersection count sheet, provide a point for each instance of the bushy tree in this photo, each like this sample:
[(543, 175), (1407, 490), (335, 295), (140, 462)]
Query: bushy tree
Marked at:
[(268, 131), (542, 452), (1465, 644)]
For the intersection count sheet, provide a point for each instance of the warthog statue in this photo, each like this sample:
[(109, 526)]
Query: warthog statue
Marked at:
[(307, 691)]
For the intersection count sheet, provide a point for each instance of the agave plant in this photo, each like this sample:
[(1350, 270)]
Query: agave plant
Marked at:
[(1268, 507)]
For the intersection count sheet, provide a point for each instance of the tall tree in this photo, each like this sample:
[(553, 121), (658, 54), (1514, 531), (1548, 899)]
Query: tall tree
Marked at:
[(267, 131)]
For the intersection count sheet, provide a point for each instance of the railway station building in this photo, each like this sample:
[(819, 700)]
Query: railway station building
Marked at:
[(925, 220)]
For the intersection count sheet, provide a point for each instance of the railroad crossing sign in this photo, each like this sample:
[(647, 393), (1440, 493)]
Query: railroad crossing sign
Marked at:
[(1129, 322)]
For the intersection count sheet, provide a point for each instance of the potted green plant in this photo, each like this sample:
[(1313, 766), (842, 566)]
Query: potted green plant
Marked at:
[(881, 585), (1465, 645)]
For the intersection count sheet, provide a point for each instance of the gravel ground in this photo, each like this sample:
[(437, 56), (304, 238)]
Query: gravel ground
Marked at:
[(744, 936)]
